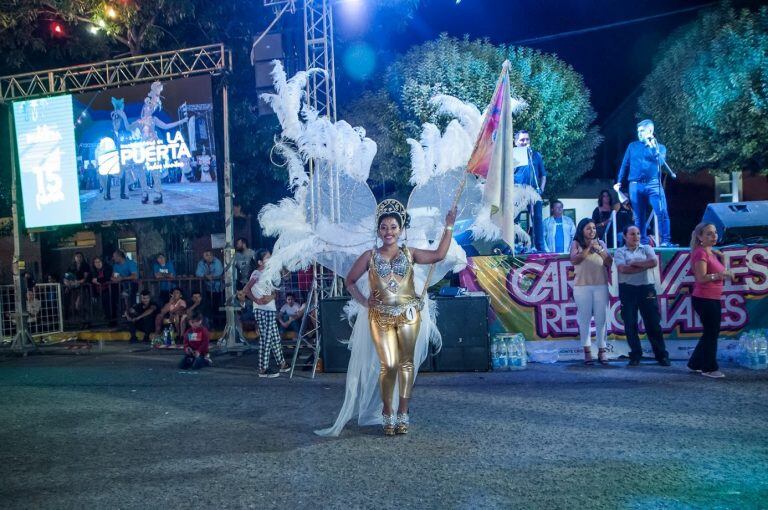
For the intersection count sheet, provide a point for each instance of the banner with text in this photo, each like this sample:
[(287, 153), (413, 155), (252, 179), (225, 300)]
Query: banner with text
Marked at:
[(537, 298)]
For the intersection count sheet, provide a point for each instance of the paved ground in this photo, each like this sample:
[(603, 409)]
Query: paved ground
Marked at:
[(128, 430)]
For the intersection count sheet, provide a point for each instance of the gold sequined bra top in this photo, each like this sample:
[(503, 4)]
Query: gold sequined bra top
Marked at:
[(392, 282)]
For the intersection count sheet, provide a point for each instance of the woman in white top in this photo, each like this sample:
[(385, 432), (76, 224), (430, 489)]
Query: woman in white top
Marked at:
[(265, 311), (591, 263)]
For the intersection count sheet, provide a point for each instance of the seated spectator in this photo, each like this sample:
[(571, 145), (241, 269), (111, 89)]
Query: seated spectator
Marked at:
[(197, 305), (558, 229), (33, 308), (289, 317), (245, 313), (141, 317), (165, 272), (173, 310), (196, 341)]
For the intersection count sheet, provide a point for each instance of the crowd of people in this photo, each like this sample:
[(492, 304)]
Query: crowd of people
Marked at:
[(149, 307)]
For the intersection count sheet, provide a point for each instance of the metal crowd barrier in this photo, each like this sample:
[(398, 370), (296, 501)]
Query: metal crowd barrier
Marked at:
[(44, 310), (104, 305)]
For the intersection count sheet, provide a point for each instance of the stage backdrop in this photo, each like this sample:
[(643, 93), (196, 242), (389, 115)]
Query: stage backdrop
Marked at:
[(537, 300)]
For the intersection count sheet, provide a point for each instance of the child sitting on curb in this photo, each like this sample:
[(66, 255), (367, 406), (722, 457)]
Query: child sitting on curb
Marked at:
[(196, 340)]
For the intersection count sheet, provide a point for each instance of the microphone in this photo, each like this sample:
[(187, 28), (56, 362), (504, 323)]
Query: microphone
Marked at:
[(653, 141)]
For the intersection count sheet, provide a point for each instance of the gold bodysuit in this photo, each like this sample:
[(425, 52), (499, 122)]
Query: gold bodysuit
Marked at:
[(395, 322)]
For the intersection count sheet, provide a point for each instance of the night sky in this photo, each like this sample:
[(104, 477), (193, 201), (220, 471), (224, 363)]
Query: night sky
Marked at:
[(613, 61)]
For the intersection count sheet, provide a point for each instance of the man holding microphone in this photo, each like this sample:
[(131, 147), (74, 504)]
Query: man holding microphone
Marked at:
[(641, 166)]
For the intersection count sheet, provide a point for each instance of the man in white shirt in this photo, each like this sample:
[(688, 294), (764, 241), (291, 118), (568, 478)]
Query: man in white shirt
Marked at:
[(634, 263), (558, 229), (290, 314)]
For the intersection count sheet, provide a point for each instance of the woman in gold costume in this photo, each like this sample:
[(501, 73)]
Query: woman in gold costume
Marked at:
[(394, 307)]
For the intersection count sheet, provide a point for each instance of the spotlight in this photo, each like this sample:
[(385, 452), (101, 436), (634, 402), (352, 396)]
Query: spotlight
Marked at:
[(93, 29), (111, 12), (56, 28)]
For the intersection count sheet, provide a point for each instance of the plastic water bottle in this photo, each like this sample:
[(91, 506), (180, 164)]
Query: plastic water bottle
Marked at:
[(513, 351), (495, 354), (503, 354), (167, 338), (522, 350), (750, 349), (513, 360), (762, 353)]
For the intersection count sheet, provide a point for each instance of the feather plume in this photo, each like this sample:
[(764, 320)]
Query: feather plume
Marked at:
[(419, 172), (467, 114), (297, 176), (483, 227)]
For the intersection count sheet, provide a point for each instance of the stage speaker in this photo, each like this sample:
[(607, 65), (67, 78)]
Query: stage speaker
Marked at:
[(463, 324), (739, 222), (263, 72), (335, 332), (269, 48)]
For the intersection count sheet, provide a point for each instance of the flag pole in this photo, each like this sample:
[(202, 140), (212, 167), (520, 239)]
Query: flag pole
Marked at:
[(463, 183)]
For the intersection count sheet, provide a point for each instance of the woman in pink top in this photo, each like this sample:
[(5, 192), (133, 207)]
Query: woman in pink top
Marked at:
[(591, 262), (709, 272)]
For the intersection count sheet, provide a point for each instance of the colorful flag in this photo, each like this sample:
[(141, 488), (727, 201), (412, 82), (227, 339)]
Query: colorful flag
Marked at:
[(493, 158)]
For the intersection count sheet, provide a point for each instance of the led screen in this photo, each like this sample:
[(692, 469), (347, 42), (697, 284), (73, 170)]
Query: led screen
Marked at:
[(118, 154)]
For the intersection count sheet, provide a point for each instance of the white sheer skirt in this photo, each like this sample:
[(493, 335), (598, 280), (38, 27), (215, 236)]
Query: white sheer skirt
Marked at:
[(362, 397)]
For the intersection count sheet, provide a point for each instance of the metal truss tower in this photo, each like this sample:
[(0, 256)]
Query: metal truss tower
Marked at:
[(319, 53), (321, 96)]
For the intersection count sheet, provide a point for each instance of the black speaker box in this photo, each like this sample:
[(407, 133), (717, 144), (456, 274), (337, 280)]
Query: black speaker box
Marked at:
[(270, 47), (463, 324), (335, 332), (739, 222)]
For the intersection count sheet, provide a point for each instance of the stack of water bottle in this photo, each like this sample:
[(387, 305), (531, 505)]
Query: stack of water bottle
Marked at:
[(754, 349), (508, 352)]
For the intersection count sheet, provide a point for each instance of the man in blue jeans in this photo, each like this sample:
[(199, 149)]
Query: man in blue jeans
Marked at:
[(641, 166), (535, 175)]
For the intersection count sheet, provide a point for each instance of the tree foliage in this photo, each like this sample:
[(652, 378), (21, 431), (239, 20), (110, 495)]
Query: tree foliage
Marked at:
[(90, 29), (559, 117), (709, 92)]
